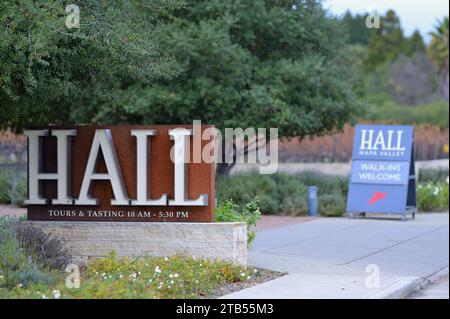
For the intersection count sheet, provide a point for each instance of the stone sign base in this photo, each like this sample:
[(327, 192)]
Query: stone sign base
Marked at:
[(225, 241)]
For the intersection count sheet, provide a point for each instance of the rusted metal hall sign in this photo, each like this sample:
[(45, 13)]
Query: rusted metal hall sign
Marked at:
[(119, 173)]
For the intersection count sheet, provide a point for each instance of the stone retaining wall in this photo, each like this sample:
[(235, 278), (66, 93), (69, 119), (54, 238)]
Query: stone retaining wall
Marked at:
[(225, 241)]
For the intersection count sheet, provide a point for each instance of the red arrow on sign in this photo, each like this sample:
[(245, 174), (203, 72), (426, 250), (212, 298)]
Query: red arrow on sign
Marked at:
[(377, 196)]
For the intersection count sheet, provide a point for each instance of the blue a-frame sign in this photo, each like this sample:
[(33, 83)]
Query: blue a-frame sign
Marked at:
[(383, 172)]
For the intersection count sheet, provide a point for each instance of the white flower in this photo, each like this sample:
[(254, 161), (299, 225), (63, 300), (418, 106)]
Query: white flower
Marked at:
[(255, 270), (134, 275), (56, 294), (248, 277), (170, 276), (201, 265), (176, 275), (242, 274), (166, 259), (172, 282), (157, 269), (436, 191)]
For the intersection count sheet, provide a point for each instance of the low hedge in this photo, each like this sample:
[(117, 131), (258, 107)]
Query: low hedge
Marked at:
[(13, 187), (283, 193)]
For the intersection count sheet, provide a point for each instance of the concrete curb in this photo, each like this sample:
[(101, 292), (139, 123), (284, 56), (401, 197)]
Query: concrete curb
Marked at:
[(399, 289), (407, 285)]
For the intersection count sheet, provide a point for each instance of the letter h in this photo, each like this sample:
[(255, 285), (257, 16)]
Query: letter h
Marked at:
[(35, 174)]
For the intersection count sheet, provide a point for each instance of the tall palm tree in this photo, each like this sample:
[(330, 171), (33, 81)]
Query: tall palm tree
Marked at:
[(438, 52)]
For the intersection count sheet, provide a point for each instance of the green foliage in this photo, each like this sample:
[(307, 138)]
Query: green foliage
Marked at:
[(13, 187), (414, 44), (5, 185), (244, 63), (243, 188), (438, 49), (228, 211), (433, 175), (287, 193), (388, 42), (44, 249), (146, 277), (283, 193), (382, 109), (433, 196), (332, 205), (18, 192), (16, 269), (46, 67), (355, 26)]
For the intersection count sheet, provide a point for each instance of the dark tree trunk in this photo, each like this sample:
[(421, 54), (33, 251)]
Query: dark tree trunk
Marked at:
[(224, 169)]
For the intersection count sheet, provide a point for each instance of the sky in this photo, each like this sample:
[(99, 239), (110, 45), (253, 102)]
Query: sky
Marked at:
[(414, 14)]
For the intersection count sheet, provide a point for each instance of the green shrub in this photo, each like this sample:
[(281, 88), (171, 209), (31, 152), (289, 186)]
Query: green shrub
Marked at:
[(332, 205), (16, 268), (326, 184), (228, 211), (5, 186), (46, 250), (433, 196), (243, 188), (280, 193), (18, 192), (383, 109), (292, 195), (436, 175)]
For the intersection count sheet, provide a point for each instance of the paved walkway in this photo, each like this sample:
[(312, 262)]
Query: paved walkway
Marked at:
[(268, 222), (342, 258)]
